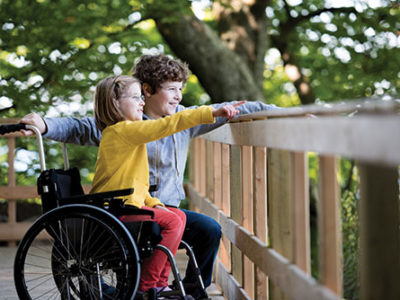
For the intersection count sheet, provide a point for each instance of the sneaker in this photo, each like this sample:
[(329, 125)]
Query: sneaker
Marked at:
[(163, 293)]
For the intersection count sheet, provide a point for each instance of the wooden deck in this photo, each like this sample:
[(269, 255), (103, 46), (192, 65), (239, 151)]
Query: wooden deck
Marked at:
[(7, 289)]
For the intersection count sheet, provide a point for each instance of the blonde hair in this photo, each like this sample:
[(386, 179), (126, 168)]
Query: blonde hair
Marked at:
[(109, 90)]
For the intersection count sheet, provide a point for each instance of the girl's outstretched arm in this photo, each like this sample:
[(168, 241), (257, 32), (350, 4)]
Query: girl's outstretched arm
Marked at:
[(228, 111)]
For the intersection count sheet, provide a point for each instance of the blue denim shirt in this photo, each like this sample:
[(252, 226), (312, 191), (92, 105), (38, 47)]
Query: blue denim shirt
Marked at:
[(167, 157)]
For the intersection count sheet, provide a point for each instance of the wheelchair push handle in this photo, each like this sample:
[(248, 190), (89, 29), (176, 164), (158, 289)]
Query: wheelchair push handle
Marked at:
[(9, 128)]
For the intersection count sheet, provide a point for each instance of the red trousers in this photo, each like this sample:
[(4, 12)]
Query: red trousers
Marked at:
[(155, 269)]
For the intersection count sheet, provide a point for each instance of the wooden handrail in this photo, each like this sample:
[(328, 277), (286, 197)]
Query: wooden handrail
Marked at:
[(263, 171)]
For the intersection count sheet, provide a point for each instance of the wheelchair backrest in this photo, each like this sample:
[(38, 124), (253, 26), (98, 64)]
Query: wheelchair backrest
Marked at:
[(56, 184)]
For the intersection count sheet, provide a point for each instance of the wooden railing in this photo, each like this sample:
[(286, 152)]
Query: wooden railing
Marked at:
[(252, 177), (12, 231)]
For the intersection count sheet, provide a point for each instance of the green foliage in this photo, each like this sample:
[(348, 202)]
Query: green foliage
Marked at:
[(46, 61), (344, 51), (349, 182), (278, 89)]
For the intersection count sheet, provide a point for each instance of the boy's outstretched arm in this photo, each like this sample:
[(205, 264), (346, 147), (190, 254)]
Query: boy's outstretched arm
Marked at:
[(67, 129)]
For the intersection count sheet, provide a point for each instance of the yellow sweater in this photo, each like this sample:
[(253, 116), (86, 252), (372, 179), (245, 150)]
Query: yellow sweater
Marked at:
[(122, 158)]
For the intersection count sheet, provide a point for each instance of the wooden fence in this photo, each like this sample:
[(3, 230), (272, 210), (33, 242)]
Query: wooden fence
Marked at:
[(252, 177)]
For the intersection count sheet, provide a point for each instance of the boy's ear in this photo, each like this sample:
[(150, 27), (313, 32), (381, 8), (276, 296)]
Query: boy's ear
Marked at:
[(147, 90)]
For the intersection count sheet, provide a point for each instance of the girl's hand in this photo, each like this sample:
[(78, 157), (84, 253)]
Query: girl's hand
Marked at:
[(228, 111), (162, 207)]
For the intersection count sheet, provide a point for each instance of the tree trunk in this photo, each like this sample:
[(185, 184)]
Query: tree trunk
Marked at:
[(242, 26), (222, 73)]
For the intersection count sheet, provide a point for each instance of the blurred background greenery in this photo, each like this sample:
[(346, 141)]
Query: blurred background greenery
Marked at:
[(285, 52)]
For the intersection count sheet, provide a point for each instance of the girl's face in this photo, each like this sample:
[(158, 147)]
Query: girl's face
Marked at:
[(165, 100), (131, 103)]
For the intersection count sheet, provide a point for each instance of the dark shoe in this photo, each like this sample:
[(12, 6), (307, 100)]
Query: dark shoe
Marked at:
[(197, 293), (108, 290)]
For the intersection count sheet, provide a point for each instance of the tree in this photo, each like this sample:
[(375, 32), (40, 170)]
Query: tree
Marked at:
[(52, 52)]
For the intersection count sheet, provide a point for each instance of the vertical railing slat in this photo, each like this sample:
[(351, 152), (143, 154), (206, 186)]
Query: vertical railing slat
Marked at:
[(196, 162), (217, 176), (260, 213), (379, 232), (236, 209), (225, 247), (202, 166), (12, 204), (247, 213), (330, 241), (280, 210), (209, 171), (301, 211)]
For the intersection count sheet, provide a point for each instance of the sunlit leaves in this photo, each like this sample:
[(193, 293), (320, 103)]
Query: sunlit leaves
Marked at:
[(81, 43), (353, 39)]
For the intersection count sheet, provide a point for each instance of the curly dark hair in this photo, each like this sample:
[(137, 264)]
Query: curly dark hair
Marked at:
[(157, 69)]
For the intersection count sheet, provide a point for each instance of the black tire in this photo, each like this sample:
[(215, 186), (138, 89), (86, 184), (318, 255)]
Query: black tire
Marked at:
[(73, 252)]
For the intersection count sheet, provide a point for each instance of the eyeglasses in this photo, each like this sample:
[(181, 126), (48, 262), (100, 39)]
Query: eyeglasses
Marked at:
[(138, 98)]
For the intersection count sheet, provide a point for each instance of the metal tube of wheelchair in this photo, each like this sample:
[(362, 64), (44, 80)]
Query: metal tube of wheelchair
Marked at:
[(193, 262), (65, 155), (40, 145), (174, 268), (99, 282)]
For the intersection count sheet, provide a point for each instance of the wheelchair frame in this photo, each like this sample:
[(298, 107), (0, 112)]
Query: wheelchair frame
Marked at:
[(79, 249)]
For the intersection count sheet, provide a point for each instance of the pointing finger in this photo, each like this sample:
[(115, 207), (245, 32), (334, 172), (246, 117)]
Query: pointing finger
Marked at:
[(239, 103)]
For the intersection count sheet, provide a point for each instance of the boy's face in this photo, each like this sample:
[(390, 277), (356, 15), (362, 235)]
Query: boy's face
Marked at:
[(164, 101)]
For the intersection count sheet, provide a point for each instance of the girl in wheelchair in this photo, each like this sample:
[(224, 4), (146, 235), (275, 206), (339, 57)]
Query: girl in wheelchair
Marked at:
[(122, 162)]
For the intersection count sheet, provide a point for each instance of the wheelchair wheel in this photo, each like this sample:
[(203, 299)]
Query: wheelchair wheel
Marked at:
[(77, 252)]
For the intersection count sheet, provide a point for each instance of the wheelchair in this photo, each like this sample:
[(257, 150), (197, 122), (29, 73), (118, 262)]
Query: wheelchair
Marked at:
[(79, 249)]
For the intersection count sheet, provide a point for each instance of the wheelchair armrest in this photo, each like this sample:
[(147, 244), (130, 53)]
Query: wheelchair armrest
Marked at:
[(130, 210), (97, 196), (110, 194)]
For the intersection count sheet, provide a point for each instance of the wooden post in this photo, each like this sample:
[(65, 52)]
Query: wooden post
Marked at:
[(301, 211), (280, 210), (247, 214), (236, 209), (329, 221), (379, 232), (260, 214), (12, 204)]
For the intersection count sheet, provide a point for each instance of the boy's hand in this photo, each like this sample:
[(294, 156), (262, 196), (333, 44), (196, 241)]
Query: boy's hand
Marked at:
[(228, 111), (35, 120)]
